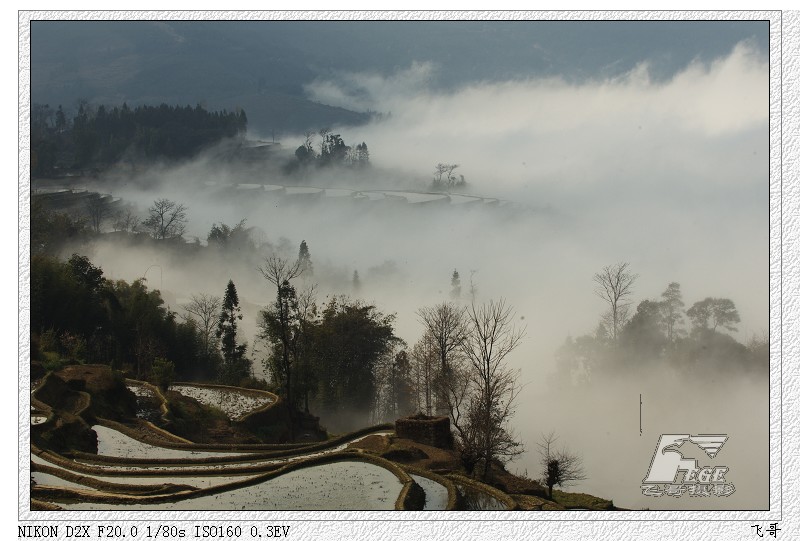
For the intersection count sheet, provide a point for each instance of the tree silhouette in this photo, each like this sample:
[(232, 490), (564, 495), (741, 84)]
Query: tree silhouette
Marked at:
[(490, 338), (304, 258), (206, 309), (166, 220), (280, 322), (672, 308), (713, 312), (235, 365), (559, 466), (455, 285), (615, 285)]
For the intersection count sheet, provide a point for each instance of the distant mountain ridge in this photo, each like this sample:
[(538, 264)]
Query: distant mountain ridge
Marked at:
[(263, 66)]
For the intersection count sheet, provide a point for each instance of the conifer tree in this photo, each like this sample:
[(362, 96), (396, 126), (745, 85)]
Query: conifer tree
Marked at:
[(235, 365), (455, 283), (306, 267)]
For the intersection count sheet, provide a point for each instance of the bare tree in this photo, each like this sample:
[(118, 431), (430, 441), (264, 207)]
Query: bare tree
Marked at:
[(447, 324), (446, 328), (473, 288), (438, 173), (559, 466), (306, 313), (126, 220), (622, 317), (206, 309), (458, 389), (615, 285), (451, 178), (97, 209), (166, 220), (308, 142), (443, 175), (278, 270), (395, 388), (425, 361), (491, 337)]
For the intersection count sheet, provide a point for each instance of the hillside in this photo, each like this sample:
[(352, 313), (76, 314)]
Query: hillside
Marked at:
[(266, 66), (118, 460)]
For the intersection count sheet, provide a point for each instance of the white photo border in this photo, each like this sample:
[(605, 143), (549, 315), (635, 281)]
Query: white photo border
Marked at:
[(784, 241)]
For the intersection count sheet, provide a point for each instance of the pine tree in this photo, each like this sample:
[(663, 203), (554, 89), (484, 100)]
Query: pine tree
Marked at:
[(235, 365), (455, 283), (304, 258), (356, 282)]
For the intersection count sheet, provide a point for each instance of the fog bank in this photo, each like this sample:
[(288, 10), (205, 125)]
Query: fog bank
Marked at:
[(671, 177)]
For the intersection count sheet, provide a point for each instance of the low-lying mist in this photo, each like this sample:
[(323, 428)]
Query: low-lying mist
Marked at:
[(600, 422), (671, 178)]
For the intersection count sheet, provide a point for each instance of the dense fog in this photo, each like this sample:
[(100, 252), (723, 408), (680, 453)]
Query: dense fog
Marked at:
[(671, 177)]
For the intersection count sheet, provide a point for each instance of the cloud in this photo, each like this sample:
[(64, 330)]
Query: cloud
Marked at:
[(671, 176), (367, 91), (552, 132)]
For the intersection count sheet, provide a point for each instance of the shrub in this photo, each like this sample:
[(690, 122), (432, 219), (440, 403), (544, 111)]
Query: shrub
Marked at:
[(74, 346), (163, 372), (48, 341), (52, 361)]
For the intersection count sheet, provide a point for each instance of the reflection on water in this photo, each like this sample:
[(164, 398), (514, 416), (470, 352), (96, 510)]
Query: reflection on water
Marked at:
[(477, 500), (435, 493)]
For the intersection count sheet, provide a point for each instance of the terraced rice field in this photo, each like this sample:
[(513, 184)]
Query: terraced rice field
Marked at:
[(147, 402), (478, 500), (234, 404), (204, 481), (190, 460), (112, 442), (140, 390), (345, 483), (129, 474), (337, 486), (435, 493)]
